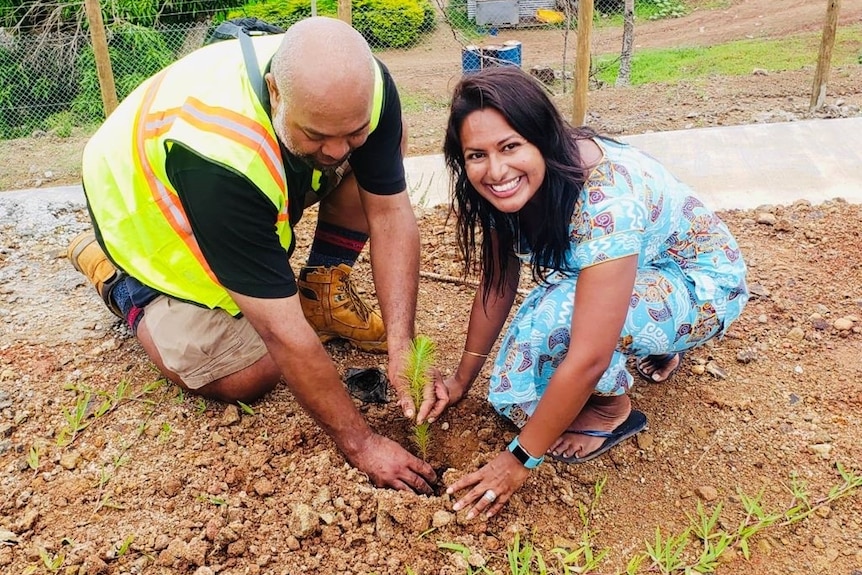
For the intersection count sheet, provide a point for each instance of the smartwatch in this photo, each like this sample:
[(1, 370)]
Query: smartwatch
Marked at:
[(523, 456)]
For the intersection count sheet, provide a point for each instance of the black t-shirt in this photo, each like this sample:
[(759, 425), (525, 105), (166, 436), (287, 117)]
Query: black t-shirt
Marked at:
[(234, 222)]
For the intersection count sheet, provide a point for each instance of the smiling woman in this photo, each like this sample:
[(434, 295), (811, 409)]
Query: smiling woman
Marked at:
[(627, 261)]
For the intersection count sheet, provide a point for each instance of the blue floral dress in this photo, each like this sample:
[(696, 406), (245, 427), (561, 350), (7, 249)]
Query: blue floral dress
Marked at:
[(690, 282)]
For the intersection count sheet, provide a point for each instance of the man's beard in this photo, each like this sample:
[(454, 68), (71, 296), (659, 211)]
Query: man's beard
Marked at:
[(278, 124)]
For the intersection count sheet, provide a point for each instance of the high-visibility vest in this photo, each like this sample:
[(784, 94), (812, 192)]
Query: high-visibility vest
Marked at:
[(206, 103)]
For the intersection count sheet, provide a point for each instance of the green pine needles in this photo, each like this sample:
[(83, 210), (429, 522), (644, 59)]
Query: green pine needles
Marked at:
[(417, 372)]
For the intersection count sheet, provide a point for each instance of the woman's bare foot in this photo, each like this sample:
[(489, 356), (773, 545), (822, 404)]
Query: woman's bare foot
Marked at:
[(658, 371), (601, 413)]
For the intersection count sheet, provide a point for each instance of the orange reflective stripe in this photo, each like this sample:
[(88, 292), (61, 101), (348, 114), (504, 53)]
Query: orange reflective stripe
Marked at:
[(238, 128), (230, 125), (167, 202)]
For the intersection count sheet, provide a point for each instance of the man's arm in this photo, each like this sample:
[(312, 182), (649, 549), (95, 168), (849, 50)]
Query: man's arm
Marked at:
[(315, 383)]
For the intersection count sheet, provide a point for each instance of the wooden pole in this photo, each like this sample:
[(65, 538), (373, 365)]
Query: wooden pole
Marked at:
[(345, 11), (824, 60), (582, 61), (103, 58)]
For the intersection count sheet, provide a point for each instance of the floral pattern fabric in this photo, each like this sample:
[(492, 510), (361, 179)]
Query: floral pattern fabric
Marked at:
[(690, 284)]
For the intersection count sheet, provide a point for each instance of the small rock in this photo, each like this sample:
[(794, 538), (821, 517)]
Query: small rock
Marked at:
[(303, 521), (824, 511), (94, 565), (70, 459), (230, 416), (817, 542), (645, 441), (784, 225), (171, 486), (715, 370), (843, 324), (292, 543), (746, 355), (820, 324), (204, 570), (707, 492), (441, 518), (698, 369), (758, 290), (759, 72), (821, 449), (264, 487), (796, 334), (794, 399), (766, 218), (762, 318)]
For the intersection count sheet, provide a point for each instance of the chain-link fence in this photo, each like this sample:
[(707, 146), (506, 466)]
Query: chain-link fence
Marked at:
[(48, 73)]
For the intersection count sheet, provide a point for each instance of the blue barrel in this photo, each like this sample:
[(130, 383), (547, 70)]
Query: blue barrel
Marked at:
[(471, 59), (510, 53), (491, 56)]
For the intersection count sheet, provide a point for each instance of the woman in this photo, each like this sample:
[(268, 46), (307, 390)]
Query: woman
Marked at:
[(627, 262)]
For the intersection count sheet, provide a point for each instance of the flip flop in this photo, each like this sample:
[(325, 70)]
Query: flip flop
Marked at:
[(659, 361), (635, 422)]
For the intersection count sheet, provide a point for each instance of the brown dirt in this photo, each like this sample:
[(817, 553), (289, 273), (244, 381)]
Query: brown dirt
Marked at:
[(206, 488)]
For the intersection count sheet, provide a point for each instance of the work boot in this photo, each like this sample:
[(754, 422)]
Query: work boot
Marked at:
[(335, 310), (88, 258)]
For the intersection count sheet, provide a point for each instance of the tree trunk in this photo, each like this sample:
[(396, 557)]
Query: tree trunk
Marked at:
[(624, 77)]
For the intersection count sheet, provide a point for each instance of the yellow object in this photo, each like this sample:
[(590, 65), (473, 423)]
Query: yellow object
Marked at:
[(550, 16)]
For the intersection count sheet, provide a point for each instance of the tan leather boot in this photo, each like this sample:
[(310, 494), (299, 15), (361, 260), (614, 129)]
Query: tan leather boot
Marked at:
[(335, 310), (88, 258)]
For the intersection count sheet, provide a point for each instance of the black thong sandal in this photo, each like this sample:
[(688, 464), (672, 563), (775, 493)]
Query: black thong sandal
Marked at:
[(634, 423), (659, 361)]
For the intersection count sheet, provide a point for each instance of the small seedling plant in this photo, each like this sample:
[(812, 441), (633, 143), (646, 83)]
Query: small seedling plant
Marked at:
[(417, 372)]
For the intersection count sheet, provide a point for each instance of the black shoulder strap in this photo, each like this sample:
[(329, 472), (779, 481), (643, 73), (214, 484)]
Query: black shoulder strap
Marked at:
[(251, 65)]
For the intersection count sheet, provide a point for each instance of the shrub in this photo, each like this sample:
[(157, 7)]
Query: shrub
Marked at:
[(384, 23), (33, 85), (136, 54)]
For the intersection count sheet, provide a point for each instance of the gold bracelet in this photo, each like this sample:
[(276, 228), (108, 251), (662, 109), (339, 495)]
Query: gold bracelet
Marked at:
[(474, 354)]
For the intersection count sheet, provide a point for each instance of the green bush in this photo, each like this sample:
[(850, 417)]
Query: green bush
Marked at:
[(384, 23), (136, 54), (32, 87)]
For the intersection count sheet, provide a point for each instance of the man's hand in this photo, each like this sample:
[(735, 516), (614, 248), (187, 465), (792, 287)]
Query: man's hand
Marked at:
[(390, 465), (435, 399)]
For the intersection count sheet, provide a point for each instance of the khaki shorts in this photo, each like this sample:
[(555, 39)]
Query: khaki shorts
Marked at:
[(201, 345)]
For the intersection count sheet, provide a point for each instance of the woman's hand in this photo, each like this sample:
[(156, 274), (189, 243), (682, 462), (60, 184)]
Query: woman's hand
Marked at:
[(491, 486), (456, 389)]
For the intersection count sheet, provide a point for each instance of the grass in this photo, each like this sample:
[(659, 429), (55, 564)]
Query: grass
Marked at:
[(698, 548), (731, 59)]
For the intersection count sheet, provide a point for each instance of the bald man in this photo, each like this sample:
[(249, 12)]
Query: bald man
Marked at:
[(194, 185)]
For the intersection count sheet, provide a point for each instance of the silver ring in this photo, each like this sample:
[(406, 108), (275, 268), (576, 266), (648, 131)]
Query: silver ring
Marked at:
[(490, 496)]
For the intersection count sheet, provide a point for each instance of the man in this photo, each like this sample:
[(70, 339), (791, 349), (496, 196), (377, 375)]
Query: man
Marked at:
[(193, 185)]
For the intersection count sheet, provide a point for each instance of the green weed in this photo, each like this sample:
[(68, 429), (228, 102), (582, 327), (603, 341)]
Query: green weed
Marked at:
[(245, 408)]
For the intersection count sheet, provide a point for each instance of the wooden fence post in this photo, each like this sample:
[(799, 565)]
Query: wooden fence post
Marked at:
[(582, 61), (345, 11), (824, 60), (103, 58)]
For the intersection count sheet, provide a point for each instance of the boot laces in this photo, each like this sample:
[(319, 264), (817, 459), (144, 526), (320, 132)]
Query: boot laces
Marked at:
[(355, 302)]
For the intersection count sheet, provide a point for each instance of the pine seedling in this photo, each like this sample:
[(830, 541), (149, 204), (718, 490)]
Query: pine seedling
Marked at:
[(417, 372)]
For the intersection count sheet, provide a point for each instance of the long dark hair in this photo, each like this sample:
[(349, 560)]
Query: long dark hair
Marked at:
[(527, 108)]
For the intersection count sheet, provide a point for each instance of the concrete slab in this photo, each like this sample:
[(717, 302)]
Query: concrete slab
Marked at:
[(729, 167)]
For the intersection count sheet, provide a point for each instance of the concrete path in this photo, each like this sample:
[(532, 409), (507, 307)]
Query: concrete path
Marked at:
[(729, 167)]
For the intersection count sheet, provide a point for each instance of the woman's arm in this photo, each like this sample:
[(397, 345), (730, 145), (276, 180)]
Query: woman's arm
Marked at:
[(487, 317), (601, 305)]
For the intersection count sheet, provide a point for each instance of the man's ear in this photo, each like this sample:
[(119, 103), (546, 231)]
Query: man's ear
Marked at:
[(273, 89)]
